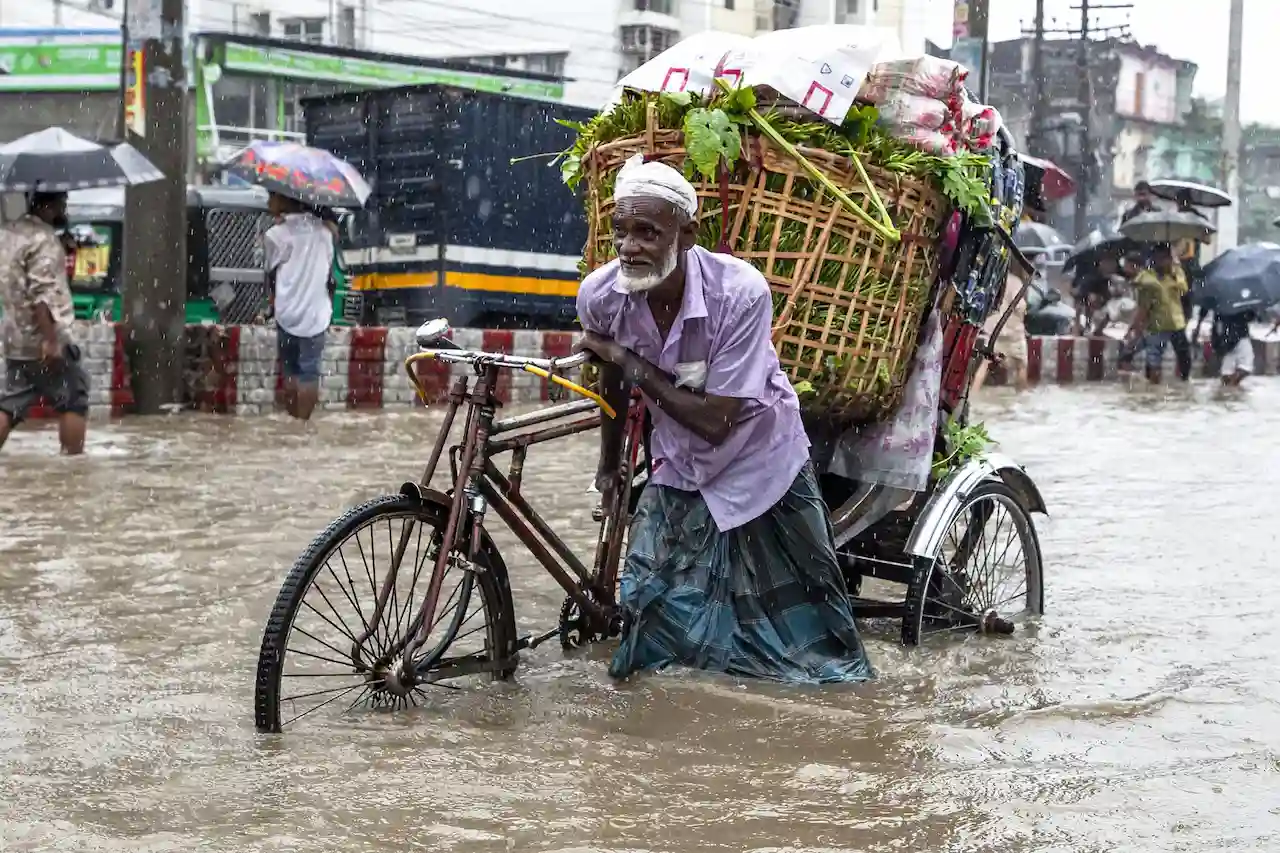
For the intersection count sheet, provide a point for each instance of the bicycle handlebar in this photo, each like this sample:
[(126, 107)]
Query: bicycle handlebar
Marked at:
[(501, 359), (546, 368)]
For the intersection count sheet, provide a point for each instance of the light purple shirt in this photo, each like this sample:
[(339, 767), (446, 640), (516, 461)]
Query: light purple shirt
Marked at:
[(724, 321)]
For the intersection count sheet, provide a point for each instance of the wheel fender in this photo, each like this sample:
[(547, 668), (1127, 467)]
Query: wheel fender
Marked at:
[(934, 520), (426, 494)]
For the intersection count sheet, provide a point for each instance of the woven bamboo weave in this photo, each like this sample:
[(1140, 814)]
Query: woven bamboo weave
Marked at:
[(847, 303)]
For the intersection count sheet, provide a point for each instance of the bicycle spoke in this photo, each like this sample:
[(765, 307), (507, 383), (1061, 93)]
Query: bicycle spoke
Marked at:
[(347, 664), (321, 705)]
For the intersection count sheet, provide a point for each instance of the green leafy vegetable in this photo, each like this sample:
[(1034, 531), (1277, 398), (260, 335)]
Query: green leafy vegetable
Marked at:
[(963, 443), (710, 136)]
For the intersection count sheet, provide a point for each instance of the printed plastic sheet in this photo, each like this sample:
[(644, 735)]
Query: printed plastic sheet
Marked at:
[(899, 452), (820, 68), (689, 66)]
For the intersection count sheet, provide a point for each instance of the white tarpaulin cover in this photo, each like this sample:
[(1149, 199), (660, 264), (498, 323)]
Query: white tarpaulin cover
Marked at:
[(820, 68), (689, 66)]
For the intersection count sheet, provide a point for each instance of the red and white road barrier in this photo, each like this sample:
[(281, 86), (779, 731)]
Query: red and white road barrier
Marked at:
[(235, 369), (1071, 360)]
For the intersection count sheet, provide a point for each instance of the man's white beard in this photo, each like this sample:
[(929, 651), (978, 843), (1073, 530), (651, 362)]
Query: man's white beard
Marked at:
[(641, 283)]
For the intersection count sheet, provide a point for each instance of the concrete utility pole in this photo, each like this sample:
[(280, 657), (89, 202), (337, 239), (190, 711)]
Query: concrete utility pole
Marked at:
[(1229, 217), (1086, 126), (1040, 87), (155, 225)]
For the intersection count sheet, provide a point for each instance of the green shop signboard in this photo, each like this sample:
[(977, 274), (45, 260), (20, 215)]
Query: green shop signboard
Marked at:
[(26, 65), (304, 65)]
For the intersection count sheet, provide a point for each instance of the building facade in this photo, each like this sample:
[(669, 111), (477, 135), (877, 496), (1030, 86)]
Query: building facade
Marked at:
[(591, 44), (1140, 100)]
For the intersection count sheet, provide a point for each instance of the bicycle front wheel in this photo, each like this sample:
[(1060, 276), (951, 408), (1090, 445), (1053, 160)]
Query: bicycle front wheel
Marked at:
[(330, 648)]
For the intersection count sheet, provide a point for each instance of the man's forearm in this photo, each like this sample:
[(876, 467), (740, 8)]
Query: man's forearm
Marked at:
[(44, 322), (616, 391), (687, 408)]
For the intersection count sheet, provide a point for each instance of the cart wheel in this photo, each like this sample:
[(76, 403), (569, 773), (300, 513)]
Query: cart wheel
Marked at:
[(986, 575)]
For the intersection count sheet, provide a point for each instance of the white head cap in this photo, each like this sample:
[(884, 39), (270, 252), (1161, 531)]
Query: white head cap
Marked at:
[(638, 179)]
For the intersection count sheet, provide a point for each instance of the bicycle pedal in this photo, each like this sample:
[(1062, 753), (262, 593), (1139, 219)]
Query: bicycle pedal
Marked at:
[(531, 642)]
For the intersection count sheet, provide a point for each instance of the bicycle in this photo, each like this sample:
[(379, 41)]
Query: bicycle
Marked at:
[(387, 662)]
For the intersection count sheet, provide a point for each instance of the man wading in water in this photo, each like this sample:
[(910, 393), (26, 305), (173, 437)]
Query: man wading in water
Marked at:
[(299, 255), (1160, 318), (731, 564), (40, 358)]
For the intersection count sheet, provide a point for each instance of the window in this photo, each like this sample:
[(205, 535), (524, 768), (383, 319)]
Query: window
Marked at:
[(535, 63), (648, 41), (346, 26), (260, 24), (305, 30), (662, 7), (1139, 91), (786, 14)]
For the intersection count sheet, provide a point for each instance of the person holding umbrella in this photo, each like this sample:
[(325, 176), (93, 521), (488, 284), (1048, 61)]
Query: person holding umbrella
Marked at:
[(1238, 287), (1160, 320), (1143, 202), (305, 184), (41, 356), (299, 251)]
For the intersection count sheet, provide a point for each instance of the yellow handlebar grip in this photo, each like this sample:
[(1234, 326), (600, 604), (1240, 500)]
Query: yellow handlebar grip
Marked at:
[(413, 377), (574, 387)]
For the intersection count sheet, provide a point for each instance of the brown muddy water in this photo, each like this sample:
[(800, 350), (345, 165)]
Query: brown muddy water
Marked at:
[(1142, 713)]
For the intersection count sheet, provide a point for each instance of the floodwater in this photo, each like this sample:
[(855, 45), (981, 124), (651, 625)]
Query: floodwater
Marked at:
[(1143, 713)]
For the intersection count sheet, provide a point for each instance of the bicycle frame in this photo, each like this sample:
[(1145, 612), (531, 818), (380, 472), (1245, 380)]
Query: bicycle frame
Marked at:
[(477, 485)]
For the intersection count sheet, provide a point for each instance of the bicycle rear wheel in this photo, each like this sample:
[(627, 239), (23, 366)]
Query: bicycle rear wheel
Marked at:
[(308, 662)]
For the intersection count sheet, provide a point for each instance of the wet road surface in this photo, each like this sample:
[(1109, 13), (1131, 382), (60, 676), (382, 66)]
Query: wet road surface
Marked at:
[(1143, 713)]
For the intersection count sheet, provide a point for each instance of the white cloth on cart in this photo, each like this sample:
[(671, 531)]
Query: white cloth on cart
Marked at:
[(899, 452)]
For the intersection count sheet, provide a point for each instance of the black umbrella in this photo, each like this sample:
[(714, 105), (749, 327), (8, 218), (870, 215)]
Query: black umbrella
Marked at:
[(1167, 226), (1197, 195), (53, 160), (1036, 235), (1246, 278), (1095, 245)]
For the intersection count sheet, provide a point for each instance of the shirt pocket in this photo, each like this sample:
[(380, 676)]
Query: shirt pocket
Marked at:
[(691, 375)]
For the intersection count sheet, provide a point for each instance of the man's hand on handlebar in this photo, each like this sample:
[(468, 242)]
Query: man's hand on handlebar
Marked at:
[(604, 349)]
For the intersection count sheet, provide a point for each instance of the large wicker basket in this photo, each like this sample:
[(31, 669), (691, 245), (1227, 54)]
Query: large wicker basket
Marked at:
[(847, 304)]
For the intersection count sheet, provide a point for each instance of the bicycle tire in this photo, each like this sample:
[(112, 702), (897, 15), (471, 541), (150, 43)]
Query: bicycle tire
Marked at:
[(928, 569), (490, 579)]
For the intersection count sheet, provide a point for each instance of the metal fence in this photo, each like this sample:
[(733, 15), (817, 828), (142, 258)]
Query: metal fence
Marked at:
[(235, 250)]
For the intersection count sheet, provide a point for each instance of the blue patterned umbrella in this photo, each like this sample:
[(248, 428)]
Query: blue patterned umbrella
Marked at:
[(310, 175)]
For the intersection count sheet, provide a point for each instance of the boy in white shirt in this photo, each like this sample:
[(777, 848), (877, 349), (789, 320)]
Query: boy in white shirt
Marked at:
[(299, 260)]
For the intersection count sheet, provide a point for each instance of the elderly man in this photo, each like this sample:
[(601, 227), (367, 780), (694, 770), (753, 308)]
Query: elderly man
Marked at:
[(731, 565), (41, 359)]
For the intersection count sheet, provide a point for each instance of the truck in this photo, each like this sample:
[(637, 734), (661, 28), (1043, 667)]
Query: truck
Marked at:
[(467, 220)]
